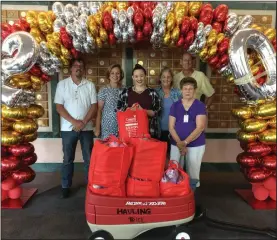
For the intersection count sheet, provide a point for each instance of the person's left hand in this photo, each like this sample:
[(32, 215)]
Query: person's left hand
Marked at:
[(135, 106), (184, 151)]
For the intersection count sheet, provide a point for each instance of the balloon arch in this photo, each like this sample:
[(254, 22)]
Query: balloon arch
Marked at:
[(41, 44)]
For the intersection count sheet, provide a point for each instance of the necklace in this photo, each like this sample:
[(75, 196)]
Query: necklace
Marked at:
[(137, 91)]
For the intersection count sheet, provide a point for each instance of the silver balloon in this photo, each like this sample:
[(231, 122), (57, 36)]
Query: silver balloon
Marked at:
[(161, 29), (200, 30), (58, 9), (130, 13), (124, 36), (69, 12), (70, 29), (225, 71), (94, 7), (117, 31), (231, 24), (131, 29), (114, 14), (83, 21), (58, 23), (201, 43), (245, 22), (24, 59), (122, 17), (76, 11), (208, 28), (251, 38)]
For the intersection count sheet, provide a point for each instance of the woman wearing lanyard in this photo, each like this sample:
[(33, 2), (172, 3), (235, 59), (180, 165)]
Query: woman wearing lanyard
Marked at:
[(187, 122)]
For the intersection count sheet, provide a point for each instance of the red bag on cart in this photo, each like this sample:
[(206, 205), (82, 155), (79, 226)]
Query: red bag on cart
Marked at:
[(175, 181), (149, 158), (110, 162), (132, 123), (108, 191), (136, 187)]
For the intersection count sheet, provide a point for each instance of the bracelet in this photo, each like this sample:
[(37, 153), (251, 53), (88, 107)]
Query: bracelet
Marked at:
[(186, 142)]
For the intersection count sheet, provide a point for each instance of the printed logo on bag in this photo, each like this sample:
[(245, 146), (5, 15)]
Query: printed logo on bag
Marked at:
[(139, 211), (136, 220), (159, 203), (131, 125)]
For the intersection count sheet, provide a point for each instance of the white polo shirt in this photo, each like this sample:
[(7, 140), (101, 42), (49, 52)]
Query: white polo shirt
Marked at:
[(76, 99)]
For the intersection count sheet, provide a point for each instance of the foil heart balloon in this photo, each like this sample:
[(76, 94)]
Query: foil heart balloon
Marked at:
[(29, 159), (194, 8), (243, 112), (272, 122), (217, 26), (27, 126), (10, 138), (35, 111), (21, 149), (24, 175), (30, 137), (269, 162), (258, 149), (246, 137), (206, 16), (268, 136), (36, 71), (273, 148), (266, 111), (10, 163), (13, 113), (253, 125), (4, 151), (138, 19), (256, 175), (220, 13), (247, 160), (6, 124), (193, 24)]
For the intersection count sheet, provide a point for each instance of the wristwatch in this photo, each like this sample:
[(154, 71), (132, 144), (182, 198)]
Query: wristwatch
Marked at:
[(186, 142)]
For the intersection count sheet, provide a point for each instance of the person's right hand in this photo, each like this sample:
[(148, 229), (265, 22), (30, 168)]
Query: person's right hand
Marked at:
[(78, 125), (180, 145), (97, 132)]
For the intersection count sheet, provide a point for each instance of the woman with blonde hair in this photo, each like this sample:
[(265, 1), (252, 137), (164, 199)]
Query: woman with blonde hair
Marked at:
[(106, 121)]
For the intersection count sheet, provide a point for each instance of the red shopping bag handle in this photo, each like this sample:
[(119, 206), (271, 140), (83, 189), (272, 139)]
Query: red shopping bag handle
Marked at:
[(173, 164), (112, 138)]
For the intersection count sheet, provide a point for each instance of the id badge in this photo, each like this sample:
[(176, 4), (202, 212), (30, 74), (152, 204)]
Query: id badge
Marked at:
[(186, 118)]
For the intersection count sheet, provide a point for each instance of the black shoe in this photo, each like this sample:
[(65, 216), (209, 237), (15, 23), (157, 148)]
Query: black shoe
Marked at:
[(65, 192), (199, 212)]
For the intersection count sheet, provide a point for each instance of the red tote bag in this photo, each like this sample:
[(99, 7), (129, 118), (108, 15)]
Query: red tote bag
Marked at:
[(110, 162), (149, 158), (132, 123), (181, 188)]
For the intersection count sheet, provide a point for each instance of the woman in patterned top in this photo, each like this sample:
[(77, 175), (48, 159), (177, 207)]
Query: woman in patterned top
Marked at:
[(168, 96), (146, 97), (106, 121)]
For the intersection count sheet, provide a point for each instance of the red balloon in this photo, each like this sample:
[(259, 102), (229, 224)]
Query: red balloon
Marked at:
[(22, 149), (269, 162), (206, 16), (45, 78), (24, 175), (185, 26), (256, 175), (4, 175), (272, 194), (260, 193), (25, 24), (10, 163), (15, 193), (180, 42), (6, 27), (29, 159), (261, 80), (189, 38), (4, 151), (247, 160), (35, 70), (17, 26), (193, 24), (4, 195), (186, 46), (207, 6), (274, 41), (147, 13), (223, 46), (138, 19), (75, 53), (273, 148), (65, 38), (107, 22), (8, 184), (139, 35), (223, 60), (147, 29), (270, 183), (136, 6), (217, 26), (258, 149), (213, 60), (112, 39), (220, 13)]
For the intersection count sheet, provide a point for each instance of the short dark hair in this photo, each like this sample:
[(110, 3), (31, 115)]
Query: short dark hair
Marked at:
[(188, 80), (76, 60), (139, 67)]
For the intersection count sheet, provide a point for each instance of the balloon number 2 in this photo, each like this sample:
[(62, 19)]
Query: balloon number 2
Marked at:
[(244, 79), (22, 61)]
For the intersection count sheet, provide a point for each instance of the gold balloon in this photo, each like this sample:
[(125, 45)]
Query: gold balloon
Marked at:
[(231, 80), (103, 34), (14, 113), (212, 51), (260, 101), (98, 42), (35, 111), (246, 137), (36, 80), (170, 21), (253, 125), (37, 34), (30, 137), (65, 52), (211, 40), (250, 62), (64, 61), (268, 136), (93, 29), (51, 15), (265, 111), (166, 39), (271, 36), (45, 23), (272, 122), (194, 8), (121, 5), (219, 38), (175, 34), (213, 32), (10, 138), (54, 47), (181, 10), (36, 86), (98, 18), (244, 112), (203, 54), (6, 124), (26, 126), (270, 33), (31, 18), (254, 69)]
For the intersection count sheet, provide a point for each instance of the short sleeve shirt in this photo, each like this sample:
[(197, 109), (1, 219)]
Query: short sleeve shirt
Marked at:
[(76, 99), (185, 128)]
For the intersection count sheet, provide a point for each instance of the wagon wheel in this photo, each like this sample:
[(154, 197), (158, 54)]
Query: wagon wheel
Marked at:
[(101, 235), (182, 232)]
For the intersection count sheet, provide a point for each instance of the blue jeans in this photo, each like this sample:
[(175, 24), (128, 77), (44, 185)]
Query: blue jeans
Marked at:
[(69, 141)]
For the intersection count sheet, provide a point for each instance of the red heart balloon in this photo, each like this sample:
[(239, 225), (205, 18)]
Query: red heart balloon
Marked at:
[(4, 175), (185, 26), (193, 24), (207, 5), (112, 39), (25, 24), (189, 38), (247, 160), (180, 42), (220, 13), (274, 41), (138, 19), (147, 29), (75, 53), (217, 26), (139, 35), (29, 159), (269, 162), (147, 13), (35, 70), (258, 149), (108, 24), (273, 148), (4, 151), (213, 60), (256, 175), (45, 78), (10, 163), (223, 47), (21, 149), (66, 39), (24, 175), (223, 60), (206, 16), (186, 46)]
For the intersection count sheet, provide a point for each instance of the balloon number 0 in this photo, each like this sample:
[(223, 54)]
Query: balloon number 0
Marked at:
[(23, 60), (244, 78)]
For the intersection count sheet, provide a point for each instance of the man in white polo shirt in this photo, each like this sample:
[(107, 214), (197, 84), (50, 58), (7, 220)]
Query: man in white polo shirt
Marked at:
[(76, 103), (203, 84)]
